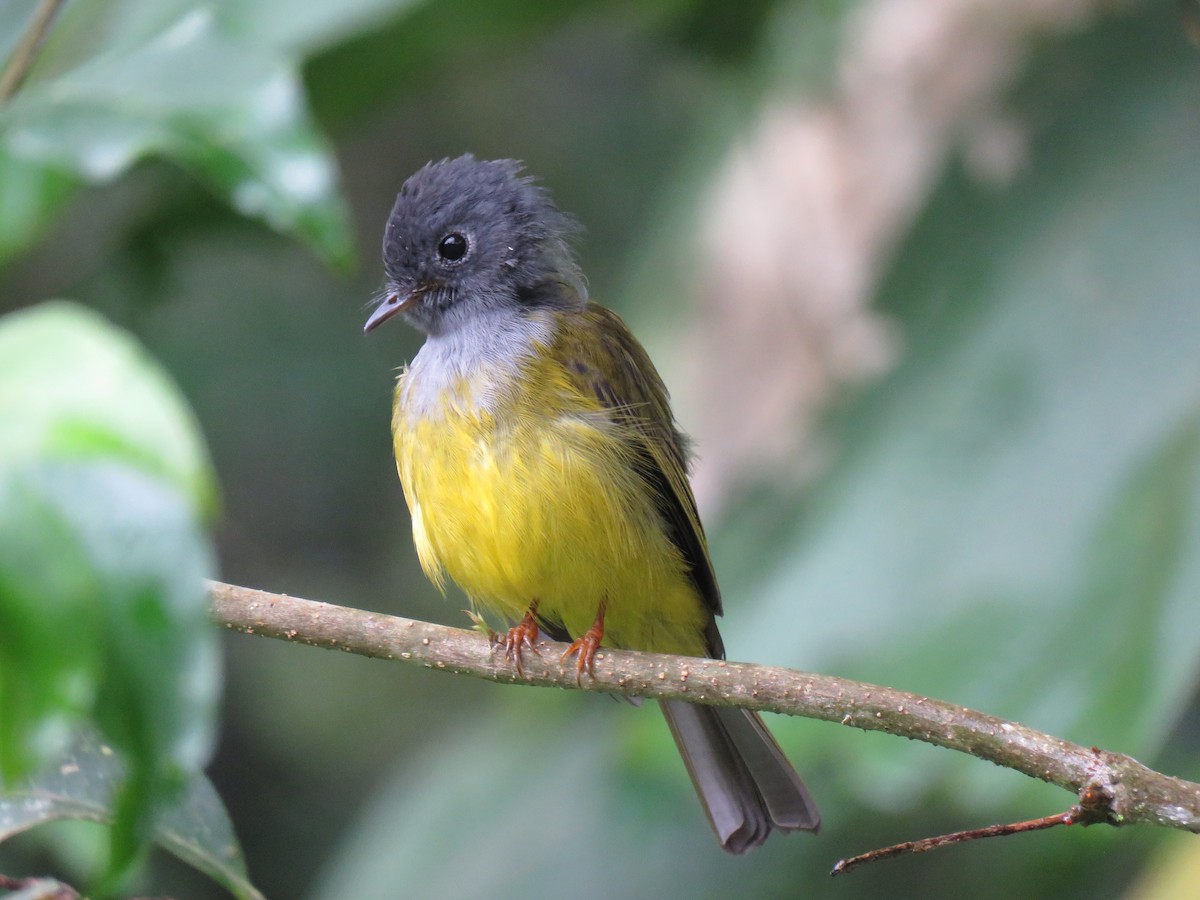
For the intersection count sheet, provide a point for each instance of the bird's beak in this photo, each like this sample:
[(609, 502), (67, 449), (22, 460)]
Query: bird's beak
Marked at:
[(391, 305)]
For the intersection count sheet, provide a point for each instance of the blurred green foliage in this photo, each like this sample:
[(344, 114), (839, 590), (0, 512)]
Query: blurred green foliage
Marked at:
[(86, 783), (1009, 518), (104, 486)]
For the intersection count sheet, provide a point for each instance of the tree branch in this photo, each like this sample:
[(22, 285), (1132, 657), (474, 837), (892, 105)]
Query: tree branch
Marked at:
[(27, 47), (1111, 787)]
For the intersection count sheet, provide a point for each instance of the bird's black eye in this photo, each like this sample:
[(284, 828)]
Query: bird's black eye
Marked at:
[(453, 247)]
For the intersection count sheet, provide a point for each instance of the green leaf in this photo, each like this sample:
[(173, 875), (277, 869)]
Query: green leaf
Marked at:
[(208, 86), (103, 561), (104, 609), (72, 386), (308, 27), (82, 784)]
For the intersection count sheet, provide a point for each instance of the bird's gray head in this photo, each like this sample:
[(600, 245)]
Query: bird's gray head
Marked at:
[(468, 237)]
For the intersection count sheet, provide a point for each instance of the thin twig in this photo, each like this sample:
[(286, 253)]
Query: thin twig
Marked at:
[(1092, 809), (1116, 788), (27, 47), (1074, 816)]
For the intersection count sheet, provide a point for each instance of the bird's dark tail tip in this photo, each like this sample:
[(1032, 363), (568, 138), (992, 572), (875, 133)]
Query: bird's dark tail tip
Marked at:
[(744, 781)]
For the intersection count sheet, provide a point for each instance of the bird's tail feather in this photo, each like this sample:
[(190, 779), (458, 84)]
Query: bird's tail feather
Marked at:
[(744, 781)]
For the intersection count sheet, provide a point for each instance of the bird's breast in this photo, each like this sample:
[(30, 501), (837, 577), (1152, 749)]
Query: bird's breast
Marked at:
[(520, 487), (524, 486)]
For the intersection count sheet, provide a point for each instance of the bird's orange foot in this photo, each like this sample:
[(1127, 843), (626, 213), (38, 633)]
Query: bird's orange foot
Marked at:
[(523, 634), (585, 647)]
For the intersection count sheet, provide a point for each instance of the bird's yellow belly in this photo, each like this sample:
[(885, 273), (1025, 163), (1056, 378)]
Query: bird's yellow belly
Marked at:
[(551, 510)]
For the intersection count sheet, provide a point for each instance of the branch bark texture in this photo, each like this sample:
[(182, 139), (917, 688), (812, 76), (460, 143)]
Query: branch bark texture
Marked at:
[(1111, 787)]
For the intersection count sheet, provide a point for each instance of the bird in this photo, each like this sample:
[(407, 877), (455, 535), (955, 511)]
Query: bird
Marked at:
[(545, 472)]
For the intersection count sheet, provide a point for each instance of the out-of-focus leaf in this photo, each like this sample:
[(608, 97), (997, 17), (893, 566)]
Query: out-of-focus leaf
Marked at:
[(308, 27), (74, 387), (102, 562), (209, 86), (82, 784), (102, 599)]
